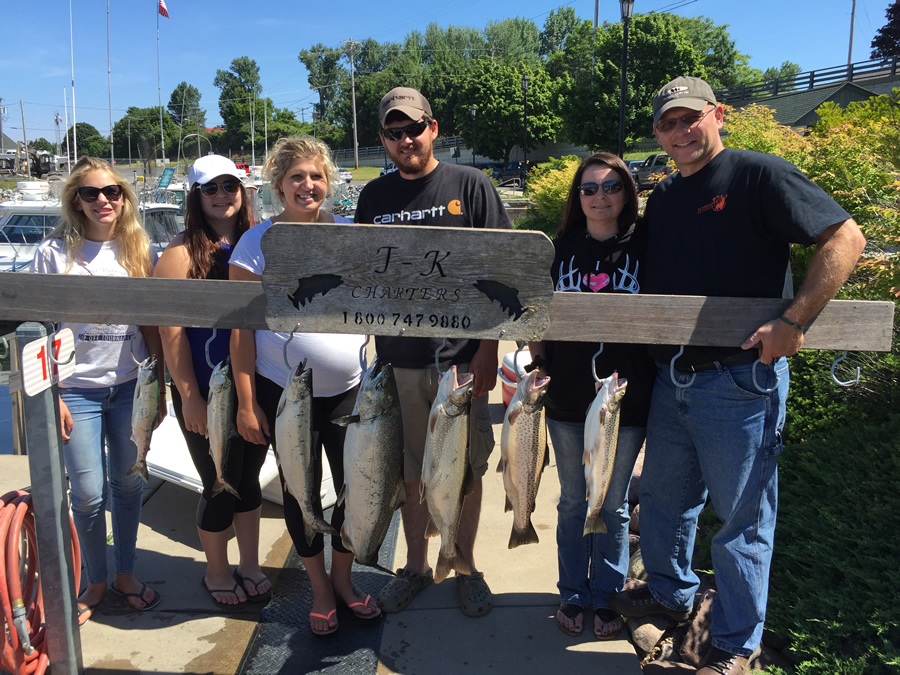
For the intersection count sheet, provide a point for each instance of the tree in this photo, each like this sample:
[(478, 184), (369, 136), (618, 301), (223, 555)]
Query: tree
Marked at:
[(886, 42), (514, 41), (137, 135), (325, 75), (184, 106), (239, 90), (590, 96), (43, 144), (496, 89), (715, 47), (560, 22), (90, 142), (787, 71)]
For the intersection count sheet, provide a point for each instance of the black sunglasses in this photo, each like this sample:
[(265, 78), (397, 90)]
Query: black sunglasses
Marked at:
[(90, 194), (413, 130), (688, 120), (230, 186), (610, 187)]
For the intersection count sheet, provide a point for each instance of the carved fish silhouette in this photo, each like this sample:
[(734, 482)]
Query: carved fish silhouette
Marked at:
[(310, 287), (507, 296)]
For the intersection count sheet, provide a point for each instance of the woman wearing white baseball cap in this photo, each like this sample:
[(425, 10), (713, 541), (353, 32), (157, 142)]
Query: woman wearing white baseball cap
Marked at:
[(217, 213)]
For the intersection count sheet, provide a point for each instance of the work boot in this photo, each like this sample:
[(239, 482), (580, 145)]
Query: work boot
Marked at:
[(639, 602), (721, 662)]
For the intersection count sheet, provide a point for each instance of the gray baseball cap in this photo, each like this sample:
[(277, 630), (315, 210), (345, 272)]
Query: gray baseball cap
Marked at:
[(408, 101), (682, 92)]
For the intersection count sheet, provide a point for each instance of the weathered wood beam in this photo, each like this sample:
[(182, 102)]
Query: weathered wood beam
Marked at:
[(643, 319)]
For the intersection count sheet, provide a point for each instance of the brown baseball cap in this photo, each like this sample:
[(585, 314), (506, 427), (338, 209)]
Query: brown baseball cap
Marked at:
[(406, 100), (682, 92)]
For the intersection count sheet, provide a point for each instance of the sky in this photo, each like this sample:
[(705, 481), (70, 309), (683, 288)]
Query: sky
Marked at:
[(200, 38)]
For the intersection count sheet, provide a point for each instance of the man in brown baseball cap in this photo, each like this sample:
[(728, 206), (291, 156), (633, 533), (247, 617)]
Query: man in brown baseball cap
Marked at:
[(723, 226), (405, 100)]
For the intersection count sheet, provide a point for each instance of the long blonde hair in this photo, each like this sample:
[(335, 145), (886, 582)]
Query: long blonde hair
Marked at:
[(288, 150), (134, 244)]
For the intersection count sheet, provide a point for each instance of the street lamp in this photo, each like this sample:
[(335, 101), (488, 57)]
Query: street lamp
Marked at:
[(627, 7), (473, 110), (525, 124)]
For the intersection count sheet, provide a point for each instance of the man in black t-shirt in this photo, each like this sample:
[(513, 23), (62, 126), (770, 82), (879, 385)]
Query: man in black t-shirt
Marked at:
[(424, 191), (723, 226)]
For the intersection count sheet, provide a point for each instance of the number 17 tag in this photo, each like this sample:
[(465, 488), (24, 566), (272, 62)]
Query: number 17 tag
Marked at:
[(39, 372)]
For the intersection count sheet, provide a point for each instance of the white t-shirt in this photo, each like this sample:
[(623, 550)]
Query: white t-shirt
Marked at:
[(334, 358), (103, 351)]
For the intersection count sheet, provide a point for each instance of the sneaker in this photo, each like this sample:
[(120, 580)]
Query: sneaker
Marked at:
[(639, 602), (720, 662)]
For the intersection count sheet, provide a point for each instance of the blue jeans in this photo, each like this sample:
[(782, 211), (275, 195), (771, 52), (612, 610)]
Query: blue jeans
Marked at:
[(720, 438), (591, 567), (98, 415)]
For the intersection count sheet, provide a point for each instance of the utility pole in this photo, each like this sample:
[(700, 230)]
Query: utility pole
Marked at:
[(852, 20), (25, 142), (2, 112), (353, 101)]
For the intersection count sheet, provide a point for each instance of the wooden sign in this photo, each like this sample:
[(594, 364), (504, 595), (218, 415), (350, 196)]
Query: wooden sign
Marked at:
[(409, 280)]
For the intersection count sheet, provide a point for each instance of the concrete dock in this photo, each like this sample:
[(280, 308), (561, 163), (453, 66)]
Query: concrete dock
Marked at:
[(188, 633)]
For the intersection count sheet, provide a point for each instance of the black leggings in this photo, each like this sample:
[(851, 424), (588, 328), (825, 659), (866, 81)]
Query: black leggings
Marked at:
[(215, 514), (325, 434)]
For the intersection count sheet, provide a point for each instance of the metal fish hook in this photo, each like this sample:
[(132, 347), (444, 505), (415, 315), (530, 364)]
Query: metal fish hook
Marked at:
[(672, 371), (131, 348), (4, 348), (437, 354), (50, 352), (362, 353), (206, 348), (287, 363), (756, 384), (594, 364), (848, 383), (520, 345)]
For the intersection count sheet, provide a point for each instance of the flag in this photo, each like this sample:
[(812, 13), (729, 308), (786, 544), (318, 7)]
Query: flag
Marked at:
[(163, 9)]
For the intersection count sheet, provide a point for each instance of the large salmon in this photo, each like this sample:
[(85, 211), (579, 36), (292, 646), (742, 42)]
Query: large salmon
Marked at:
[(373, 464), (523, 454), (446, 471), (601, 435), (144, 413), (221, 406), (295, 451)]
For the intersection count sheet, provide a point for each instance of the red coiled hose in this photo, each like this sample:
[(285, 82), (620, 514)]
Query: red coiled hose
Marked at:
[(18, 566)]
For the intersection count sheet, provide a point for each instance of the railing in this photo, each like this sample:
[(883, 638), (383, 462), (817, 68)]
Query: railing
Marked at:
[(860, 71)]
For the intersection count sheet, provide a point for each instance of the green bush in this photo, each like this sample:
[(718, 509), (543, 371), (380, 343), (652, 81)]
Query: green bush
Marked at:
[(548, 187)]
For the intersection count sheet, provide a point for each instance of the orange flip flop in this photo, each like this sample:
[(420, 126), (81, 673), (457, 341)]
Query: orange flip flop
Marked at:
[(327, 617)]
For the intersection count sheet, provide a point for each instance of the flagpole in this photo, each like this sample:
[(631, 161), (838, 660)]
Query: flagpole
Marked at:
[(112, 159), (72, 58), (66, 106), (162, 135)]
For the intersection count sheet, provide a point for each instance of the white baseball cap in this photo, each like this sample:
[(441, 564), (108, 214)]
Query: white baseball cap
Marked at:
[(210, 167)]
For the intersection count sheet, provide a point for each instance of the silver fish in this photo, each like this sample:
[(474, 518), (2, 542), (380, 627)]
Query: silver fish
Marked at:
[(373, 464), (295, 450), (220, 415), (601, 435), (144, 413), (523, 454), (446, 471)]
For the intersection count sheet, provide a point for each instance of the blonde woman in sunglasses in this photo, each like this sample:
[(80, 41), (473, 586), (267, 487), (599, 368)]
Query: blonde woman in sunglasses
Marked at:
[(600, 248), (217, 214), (100, 234)]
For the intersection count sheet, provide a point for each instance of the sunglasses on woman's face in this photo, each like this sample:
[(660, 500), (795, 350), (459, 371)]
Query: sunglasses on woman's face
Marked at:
[(230, 186), (610, 187), (90, 194)]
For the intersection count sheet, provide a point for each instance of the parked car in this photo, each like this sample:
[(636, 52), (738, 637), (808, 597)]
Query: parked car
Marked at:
[(345, 175), (654, 164), (390, 168), (510, 171)]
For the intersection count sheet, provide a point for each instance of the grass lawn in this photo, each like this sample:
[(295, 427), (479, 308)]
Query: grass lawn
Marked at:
[(365, 173)]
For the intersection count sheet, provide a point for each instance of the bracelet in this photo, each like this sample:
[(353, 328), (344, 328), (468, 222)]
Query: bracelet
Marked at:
[(792, 323)]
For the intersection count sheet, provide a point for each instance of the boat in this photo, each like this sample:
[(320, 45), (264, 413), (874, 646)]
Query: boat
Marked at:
[(27, 218)]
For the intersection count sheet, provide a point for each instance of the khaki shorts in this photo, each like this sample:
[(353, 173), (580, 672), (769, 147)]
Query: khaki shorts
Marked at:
[(418, 388)]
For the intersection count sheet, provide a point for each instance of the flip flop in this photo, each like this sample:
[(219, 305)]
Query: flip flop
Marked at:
[(258, 597), (328, 631), (608, 616), (84, 610), (375, 613), (233, 591), (140, 596), (571, 611)]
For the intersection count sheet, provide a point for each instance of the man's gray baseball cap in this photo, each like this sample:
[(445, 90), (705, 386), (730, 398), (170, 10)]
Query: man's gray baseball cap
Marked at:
[(406, 100), (682, 92)]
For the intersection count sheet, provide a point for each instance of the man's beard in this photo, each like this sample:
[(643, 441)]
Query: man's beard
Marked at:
[(413, 164)]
